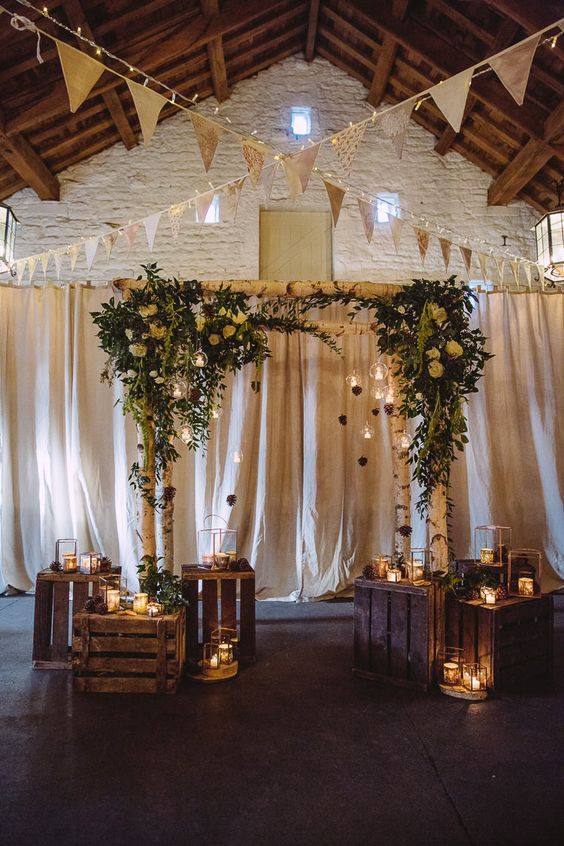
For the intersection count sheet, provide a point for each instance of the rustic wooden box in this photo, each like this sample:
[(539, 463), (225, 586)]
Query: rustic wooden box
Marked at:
[(512, 639), (119, 653), (51, 630), (218, 606), (398, 631)]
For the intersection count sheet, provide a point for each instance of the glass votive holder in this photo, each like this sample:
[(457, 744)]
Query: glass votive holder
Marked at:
[(393, 574), (526, 586), (221, 560), (488, 595), (474, 677), (69, 562), (415, 570), (89, 562), (140, 602), (451, 672), (380, 563), (154, 608), (486, 555)]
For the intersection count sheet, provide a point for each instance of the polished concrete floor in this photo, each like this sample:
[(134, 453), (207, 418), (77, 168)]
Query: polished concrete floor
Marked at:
[(294, 751)]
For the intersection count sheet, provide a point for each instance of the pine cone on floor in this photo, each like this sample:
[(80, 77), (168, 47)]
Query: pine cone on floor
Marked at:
[(405, 531), (55, 566), (389, 408), (375, 412), (231, 500), (342, 419), (369, 572), (363, 461), (357, 390)]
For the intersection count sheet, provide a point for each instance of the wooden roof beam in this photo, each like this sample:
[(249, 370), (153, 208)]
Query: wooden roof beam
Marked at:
[(216, 56), (386, 58), (527, 163), (23, 159), (531, 16), (77, 18), (505, 34), (313, 17)]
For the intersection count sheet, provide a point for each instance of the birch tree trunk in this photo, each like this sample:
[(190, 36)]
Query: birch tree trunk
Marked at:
[(437, 531), (146, 494), (401, 473), (167, 516)]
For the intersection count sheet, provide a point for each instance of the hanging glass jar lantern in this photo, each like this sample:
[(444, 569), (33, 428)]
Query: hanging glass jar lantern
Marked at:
[(216, 412), (186, 435), (378, 391), (177, 388), (354, 380), (403, 440), (367, 432), (237, 456), (199, 359), (389, 395), (378, 371)]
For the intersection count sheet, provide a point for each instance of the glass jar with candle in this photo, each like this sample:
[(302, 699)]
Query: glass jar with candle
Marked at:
[(89, 563), (218, 662), (154, 608), (393, 574), (474, 678), (66, 554), (415, 570), (381, 564), (488, 595), (140, 603), (451, 660), (525, 572)]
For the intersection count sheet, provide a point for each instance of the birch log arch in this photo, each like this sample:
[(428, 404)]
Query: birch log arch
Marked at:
[(171, 343)]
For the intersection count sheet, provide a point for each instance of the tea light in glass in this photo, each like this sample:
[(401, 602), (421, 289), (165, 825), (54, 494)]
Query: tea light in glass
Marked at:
[(526, 586), (69, 562), (207, 561), (140, 602), (393, 574), (66, 554), (380, 564), (489, 595), (225, 653), (154, 609), (474, 677), (89, 562), (221, 560), (486, 555), (415, 570), (112, 599), (451, 672)]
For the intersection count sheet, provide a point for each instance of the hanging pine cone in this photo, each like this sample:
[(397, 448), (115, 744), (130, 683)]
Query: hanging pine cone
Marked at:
[(363, 461), (105, 564), (405, 531), (55, 566), (342, 419), (375, 412), (169, 493), (501, 593), (231, 500), (357, 390), (389, 408), (369, 572)]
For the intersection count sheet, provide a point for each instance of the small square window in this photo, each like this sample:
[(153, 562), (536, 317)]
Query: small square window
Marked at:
[(386, 204), (301, 120), (212, 215)]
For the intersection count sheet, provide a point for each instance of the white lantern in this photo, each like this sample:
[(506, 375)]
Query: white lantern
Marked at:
[(8, 222), (549, 232)]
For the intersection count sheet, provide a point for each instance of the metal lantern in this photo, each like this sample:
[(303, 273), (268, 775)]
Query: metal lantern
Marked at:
[(549, 232), (66, 554), (492, 545), (217, 545), (474, 677), (525, 572), (90, 563), (8, 222)]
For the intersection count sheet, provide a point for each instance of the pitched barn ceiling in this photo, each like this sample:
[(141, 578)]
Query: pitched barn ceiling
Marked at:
[(396, 48)]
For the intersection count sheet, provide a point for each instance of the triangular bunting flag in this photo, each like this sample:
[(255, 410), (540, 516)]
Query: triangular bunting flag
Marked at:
[(292, 177), (31, 265), (483, 262), (148, 104), (80, 71), (232, 195), (108, 241), (336, 196), (151, 224), (466, 254), (58, 259), (527, 267), (394, 123), (500, 264), (445, 245), (175, 215), (346, 144), (130, 233), (396, 226), (44, 257), (254, 155), (422, 242), (514, 264), (207, 134), (451, 95), (203, 202), (90, 247), (368, 215), (20, 269), (267, 179), (303, 163), (74, 252), (514, 65)]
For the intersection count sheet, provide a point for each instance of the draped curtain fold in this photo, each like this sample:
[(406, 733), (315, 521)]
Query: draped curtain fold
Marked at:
[(308, 515)]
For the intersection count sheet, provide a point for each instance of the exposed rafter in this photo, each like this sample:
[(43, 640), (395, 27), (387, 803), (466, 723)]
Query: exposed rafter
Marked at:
[(22, 158), (77, 18), (313, 17), (386, 58), (216, 55)]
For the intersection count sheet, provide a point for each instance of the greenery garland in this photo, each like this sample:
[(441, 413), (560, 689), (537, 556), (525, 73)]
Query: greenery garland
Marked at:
[(151, 338)]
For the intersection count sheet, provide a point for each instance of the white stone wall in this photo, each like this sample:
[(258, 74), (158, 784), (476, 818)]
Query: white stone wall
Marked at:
[(117, 186)]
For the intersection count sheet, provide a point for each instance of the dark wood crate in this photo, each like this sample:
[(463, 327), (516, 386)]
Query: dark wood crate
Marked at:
[(512, 639), (121, 653), (51, 629), (398, 631), (217, 606)]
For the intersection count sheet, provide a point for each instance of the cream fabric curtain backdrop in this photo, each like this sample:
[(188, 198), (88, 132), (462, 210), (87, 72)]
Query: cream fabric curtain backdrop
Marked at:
[(308, 515)]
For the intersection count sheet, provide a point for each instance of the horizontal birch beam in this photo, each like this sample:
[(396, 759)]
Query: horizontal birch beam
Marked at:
[(265, 288), (340, 329)]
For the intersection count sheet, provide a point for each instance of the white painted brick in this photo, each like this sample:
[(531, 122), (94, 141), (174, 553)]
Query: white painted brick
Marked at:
[(117, 186)]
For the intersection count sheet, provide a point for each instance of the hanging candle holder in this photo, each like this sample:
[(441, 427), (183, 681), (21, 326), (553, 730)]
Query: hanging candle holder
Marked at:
[(367, 432), (199, 359), (403, 441), (177, 388), (378, 391), (186, 435), (378, 371), (354, 380)]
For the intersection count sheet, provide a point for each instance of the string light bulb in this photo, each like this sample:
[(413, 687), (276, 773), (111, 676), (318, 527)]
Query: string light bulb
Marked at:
[(417, 105)]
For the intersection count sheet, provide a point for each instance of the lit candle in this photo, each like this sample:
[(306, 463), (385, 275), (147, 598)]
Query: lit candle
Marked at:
[(488, 595), (471, 681), (207, 560), (486, 555), (214, 662), (69, 562), (232, 553), (526, 586), (451, 673), (221, 560), (225, 653), (380, 564), (415, 570), (154, 609), (89, 562), (112, 599), (140, 603), (393, 574)]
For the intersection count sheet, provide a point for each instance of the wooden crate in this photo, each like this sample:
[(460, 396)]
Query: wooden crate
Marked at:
[(398, 631), (218, 606), (119, 653), (51, 629), (512, 639)]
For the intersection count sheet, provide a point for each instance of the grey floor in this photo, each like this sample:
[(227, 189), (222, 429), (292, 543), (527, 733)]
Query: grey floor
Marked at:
[(293, 751)]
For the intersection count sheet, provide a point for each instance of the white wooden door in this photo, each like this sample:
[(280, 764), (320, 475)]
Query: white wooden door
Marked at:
[(295, 246)]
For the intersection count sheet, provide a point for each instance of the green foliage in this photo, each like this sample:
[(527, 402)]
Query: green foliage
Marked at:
[(163, 585), (150, 337)]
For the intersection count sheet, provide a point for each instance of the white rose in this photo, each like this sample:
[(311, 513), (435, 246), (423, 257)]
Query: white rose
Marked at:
[(438, 313), (436, 369), (129, 334), (153, 373), (138, 350), (148, 310), (433, 353), (454, 349)]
